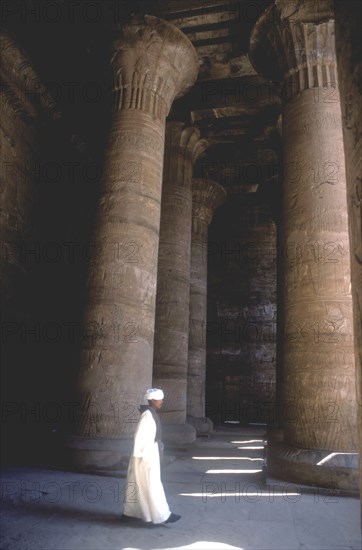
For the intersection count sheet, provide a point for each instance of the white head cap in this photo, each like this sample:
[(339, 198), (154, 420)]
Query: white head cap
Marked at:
[(154, 393)]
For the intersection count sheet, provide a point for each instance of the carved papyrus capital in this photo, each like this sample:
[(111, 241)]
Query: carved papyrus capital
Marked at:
[(207, 195), (296, 46), (183, 145), (153, 63), (185, 140)]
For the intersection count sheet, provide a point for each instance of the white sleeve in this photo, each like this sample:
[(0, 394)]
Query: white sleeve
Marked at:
[(144, 439)]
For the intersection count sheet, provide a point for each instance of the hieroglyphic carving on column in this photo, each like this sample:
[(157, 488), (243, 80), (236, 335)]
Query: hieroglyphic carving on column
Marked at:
[(20, 84), (317, 280), (25, 107), (319, 413), (183, 146), (207, 195), (349, 63), (153, 62)]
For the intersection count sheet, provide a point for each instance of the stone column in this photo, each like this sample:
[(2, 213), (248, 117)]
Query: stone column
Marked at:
[(27, 115), (183, 146), (26, 110), (153, 63), (207, 195), (319, 400), (349, 62)]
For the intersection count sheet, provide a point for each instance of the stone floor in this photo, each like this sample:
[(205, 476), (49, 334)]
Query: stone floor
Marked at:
[(218, 488)]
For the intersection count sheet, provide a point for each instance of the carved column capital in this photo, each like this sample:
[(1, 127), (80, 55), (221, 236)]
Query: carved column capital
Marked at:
[(207, 195), (296, 46), (184, 139), (183, 145), (297, 40), (153, 63), (193, 143)]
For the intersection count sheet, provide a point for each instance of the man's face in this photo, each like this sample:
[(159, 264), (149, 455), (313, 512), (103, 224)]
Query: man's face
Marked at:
[(157, 403)]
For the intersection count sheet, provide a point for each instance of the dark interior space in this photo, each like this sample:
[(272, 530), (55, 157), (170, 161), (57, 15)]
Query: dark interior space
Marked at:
[(54, 158)]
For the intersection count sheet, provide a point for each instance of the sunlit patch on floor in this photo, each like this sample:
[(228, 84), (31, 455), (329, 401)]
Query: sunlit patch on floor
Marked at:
[(233, 471), (227, 458)]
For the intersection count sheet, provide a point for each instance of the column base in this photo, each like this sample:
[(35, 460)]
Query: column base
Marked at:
[(99, 455), (335, 470), (203, 425), (178, 434)]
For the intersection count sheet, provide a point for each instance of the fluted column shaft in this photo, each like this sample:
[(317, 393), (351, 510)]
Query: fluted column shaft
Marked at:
[(207, 195), (319, 405), (183, 146), (153, 62)]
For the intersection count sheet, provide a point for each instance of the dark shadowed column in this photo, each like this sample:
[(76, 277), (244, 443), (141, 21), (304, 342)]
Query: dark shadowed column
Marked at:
[(349, 62), (183, 146), (153, 62), (296, 46), (207, 195), (25, 111), (27, 115)]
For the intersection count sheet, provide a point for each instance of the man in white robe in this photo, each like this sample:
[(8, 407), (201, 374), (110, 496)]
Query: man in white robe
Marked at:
[(145, 497)]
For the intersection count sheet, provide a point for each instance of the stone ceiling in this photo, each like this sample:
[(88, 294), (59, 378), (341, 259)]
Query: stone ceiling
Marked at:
[(219, 30), (235, 109)]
